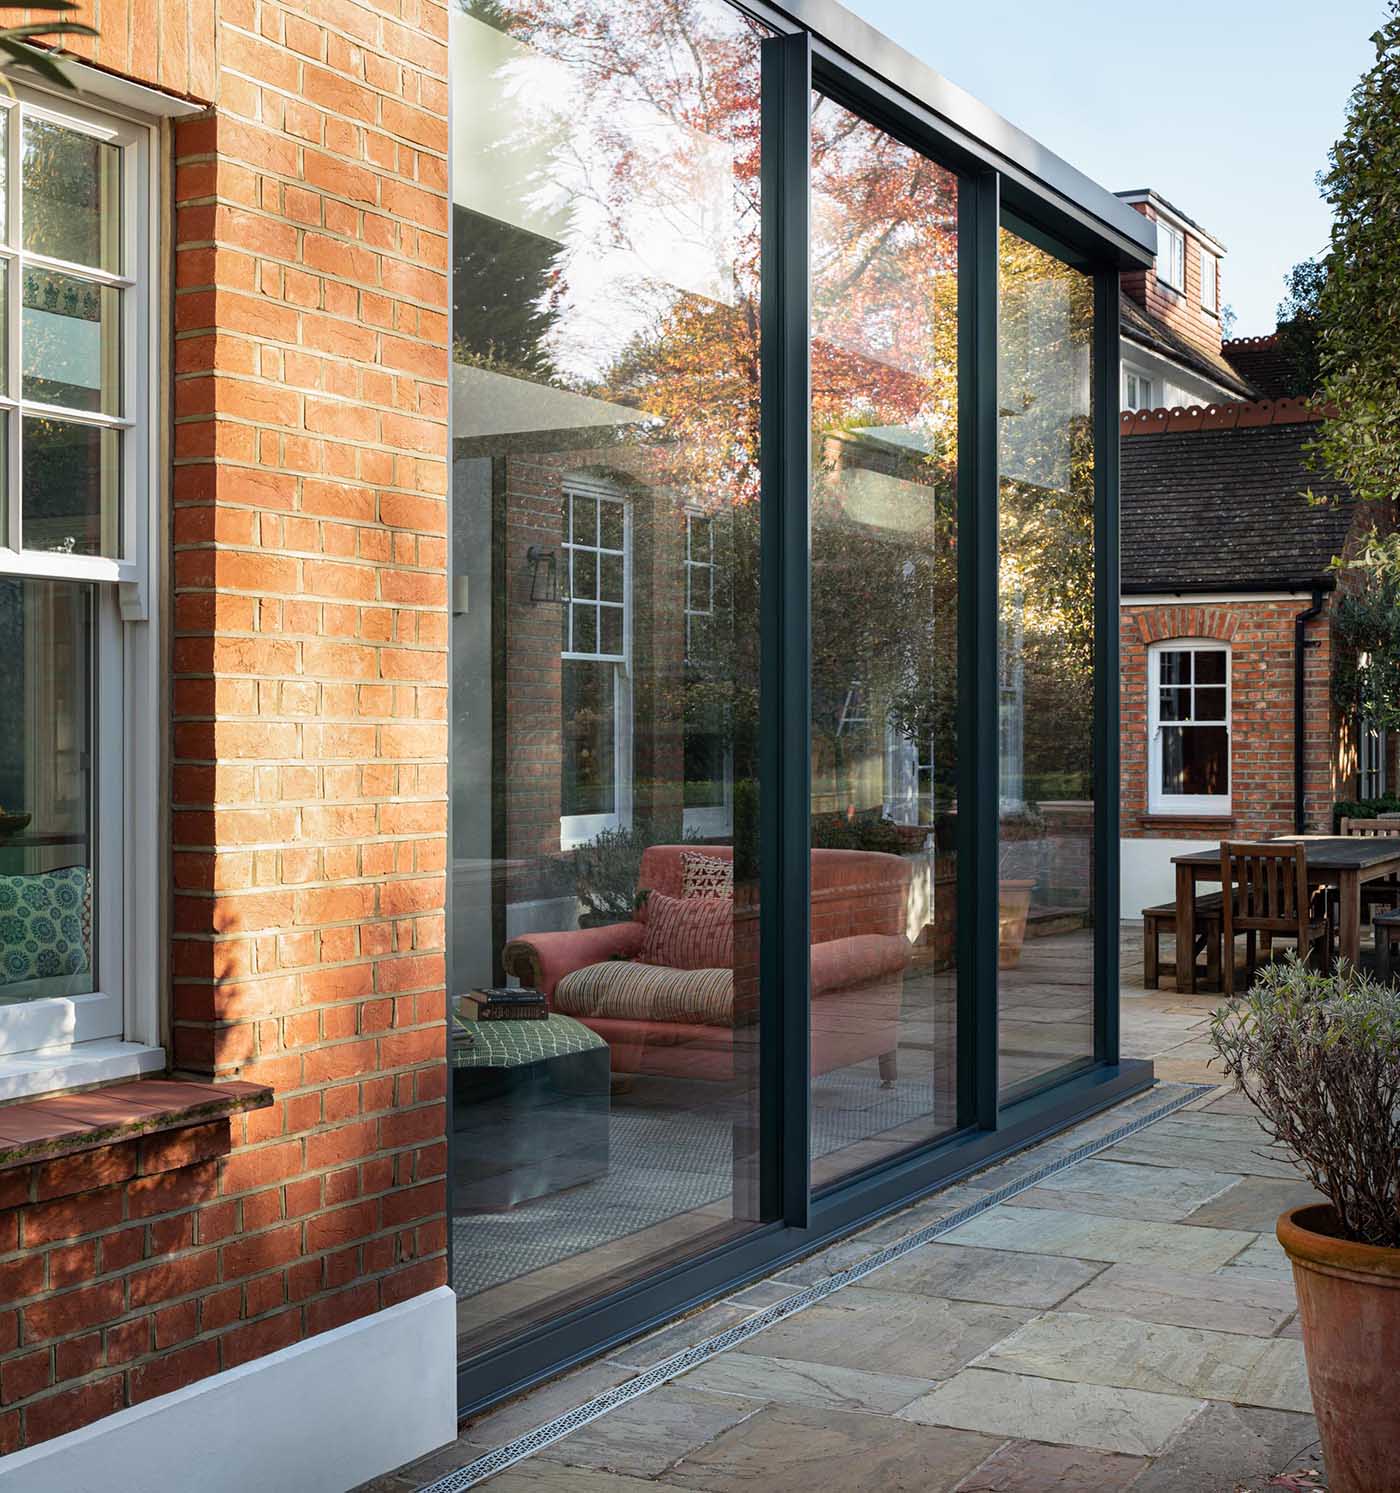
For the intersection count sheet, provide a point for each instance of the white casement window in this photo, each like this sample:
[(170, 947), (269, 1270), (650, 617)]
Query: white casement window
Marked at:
[(1210, 294), (1188, 714), (708, 748), (1137, 390), (1171, 256), (80, 693), (1371, 741), (596, 684)]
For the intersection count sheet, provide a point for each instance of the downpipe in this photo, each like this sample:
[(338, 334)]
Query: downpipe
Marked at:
[(1321, 586)]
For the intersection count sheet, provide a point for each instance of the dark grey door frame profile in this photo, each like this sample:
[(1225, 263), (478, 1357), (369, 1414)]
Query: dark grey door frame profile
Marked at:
[(1002, 175)]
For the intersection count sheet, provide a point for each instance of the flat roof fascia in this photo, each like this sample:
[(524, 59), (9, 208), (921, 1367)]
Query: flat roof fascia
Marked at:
[(1003, 145)]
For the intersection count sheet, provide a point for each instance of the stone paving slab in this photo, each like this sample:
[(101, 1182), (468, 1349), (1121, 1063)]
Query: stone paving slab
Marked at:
[(1227, 1447), (1214, 1301), (646, 1436), (791, 1381), (1026, 1406), (1087, 1237), (998, 1277), (1128, 1189), (1034, 1467), (1158, 1357), (888, 1332), (1254, 1203), (789, 1449)]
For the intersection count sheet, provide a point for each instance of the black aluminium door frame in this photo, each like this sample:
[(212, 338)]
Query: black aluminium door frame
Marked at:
[(794, 62)]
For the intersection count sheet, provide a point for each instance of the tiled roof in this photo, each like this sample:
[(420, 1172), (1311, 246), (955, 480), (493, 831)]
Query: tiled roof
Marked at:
[(1264, 363), (1213, 501), (1138, 326)]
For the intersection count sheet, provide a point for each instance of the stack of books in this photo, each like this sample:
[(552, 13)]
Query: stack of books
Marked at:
[(502, 1004)]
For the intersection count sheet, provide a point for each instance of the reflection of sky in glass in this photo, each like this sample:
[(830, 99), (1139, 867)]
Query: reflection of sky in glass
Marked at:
[(642, 207)]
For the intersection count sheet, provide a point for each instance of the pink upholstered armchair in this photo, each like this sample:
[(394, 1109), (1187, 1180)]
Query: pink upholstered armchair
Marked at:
[(859, 954)]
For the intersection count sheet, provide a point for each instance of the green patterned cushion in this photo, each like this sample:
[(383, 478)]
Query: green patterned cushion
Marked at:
[(45, 925), (513, 1044), (629, 991)]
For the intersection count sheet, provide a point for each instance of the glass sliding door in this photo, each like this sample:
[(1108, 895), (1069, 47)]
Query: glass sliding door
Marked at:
[(1045, 667), (884, 637), (605, 548)]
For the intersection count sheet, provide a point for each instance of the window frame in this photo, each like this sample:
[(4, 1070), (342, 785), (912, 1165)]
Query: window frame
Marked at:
[(1144, 382), (1212, 306), (1186, 805), (56, 1041), (1172, 254), (579, 829)]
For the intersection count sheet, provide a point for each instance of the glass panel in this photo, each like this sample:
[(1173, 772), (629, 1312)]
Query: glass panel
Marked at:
[(71, 479), (1176, 666), (72, 342), (605, 334), (589, 701), (1196, 760), (1046, 521), (46, 894), (885, 766), (72, 195), (1210, 704), (4, 175), (1174, 704), (1210, 666)]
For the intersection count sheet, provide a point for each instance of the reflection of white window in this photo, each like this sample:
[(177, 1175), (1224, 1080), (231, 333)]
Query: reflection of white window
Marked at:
[(709, 753), (596, 682), (1372, 745), (1137, 390), (80, 718), (1189, 728), (1209, 292), (1171, 256)]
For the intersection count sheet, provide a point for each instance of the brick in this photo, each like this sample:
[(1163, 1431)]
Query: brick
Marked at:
[(68, 1409)]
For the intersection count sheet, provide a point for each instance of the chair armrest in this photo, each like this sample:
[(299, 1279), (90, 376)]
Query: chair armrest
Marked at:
[(541, 960)]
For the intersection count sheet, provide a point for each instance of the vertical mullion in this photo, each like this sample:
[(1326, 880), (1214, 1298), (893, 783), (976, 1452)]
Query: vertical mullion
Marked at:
[(14, 208), (978, 788), (784, 797), (1106, 663)]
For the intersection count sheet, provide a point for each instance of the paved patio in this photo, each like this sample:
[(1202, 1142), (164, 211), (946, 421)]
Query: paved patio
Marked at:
[(1128, 1322)]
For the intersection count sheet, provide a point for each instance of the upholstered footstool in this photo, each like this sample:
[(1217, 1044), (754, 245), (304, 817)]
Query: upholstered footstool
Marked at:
[(529, 1110)]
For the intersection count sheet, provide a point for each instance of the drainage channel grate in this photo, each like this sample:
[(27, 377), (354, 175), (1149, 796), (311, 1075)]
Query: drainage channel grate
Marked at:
[(551, 1431)]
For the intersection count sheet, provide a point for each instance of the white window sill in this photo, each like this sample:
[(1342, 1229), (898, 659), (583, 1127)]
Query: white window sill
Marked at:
[(105, 1060)]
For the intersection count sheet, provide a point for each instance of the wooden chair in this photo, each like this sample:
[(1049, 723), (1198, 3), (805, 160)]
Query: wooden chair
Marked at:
[(1162, 919), (1386, 892), (1265, 891)]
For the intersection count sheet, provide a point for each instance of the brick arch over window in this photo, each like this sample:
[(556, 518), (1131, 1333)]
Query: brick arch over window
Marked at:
[(1161, 624)]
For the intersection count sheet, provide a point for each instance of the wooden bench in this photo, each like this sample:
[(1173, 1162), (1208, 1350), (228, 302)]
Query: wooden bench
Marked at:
[(1162, 919)]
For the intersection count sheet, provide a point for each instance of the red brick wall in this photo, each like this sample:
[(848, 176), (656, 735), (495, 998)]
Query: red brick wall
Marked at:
[(309, 742), (1182, 313), (1260, 635)]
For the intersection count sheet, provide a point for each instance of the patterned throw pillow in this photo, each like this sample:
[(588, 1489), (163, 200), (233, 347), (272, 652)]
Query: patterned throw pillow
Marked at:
[(706, 875), (45, 923), (627, 991), (689, 932)]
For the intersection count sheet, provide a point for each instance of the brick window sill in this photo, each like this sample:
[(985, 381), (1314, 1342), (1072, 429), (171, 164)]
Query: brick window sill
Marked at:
[(65, 1124), (1192, 821)]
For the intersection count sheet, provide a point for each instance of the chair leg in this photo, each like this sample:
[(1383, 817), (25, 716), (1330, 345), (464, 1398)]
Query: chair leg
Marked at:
[(889, 1069), (1151, 953), (1213, 954), (1382, 954), (1251, 956), (1227, 964)]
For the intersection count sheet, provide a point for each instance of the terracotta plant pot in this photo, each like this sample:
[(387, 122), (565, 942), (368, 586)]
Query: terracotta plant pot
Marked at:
[(1349, 1306), (1014, 907)]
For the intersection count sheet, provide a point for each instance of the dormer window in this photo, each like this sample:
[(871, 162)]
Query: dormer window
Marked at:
[(1210, 295), (1137, 390), (1171, 257)]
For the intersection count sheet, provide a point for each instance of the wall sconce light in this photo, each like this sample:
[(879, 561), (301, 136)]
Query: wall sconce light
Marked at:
[(544, 576)]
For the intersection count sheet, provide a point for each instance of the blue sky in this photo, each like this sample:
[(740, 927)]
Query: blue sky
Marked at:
[(1227, 109)]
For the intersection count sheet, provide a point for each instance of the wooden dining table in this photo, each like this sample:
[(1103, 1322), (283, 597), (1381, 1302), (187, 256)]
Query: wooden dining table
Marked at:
[(1346, 862)]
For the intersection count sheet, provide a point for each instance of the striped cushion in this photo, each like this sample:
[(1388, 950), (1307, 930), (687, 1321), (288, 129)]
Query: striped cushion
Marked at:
[(689, 932), (628, 991)]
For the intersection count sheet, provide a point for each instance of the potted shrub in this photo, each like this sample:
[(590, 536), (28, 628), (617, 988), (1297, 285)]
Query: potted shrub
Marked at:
[(1020, 846), (1319, 1056)]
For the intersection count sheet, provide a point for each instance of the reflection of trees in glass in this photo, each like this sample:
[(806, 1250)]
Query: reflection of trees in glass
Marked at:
[(1046, 515), (501, 312)]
